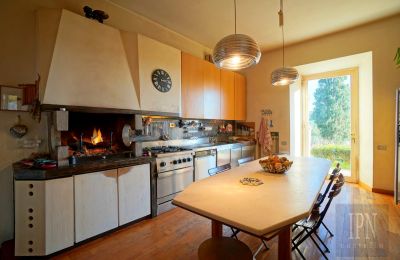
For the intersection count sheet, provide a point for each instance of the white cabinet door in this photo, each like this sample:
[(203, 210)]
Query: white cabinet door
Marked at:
[(134, 194), (96, 203), (44, 216)]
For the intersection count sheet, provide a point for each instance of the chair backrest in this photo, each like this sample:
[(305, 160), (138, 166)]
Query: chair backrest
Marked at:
[(219, 169), (245, 160), (335, 190), (332, 177)]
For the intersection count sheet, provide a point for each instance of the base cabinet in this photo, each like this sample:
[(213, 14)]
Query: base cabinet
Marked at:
[(44, 216), (236, 154), (96, 203), (134, 193)]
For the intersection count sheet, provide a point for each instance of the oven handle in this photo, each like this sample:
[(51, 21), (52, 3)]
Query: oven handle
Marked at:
[(179, 171)]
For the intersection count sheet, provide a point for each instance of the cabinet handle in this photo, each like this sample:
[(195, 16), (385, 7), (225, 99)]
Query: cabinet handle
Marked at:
[(30, 193), (30, 250), (31, 186), (30, 210), (30, 242), (30, 225), (30, 218)]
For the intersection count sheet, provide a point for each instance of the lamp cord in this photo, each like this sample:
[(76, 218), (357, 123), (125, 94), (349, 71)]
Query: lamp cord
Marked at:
[(234, 3), (280, 13)]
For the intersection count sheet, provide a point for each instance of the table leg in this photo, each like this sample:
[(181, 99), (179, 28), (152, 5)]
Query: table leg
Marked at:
[(216, 228), (284, 244)]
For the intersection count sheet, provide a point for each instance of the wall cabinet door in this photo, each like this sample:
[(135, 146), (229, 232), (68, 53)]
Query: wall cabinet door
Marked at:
[(227, 95), (212, 91), (134, 193), (240, 97), (96, 203), (192, 87), (44, 216)]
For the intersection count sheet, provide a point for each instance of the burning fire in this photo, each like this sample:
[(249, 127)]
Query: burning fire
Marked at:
[(96, 137)]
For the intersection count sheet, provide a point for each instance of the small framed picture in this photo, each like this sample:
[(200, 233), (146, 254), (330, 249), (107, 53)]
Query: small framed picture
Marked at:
[(11, 98)]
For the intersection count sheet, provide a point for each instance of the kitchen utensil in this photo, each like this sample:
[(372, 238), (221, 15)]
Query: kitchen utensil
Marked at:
[(18, 130)]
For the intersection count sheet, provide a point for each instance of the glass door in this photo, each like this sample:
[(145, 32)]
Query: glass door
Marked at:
[(330, 123)]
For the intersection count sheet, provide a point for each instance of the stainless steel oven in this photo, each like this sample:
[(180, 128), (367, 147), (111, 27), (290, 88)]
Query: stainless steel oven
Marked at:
[(169, 184), (174, 173)]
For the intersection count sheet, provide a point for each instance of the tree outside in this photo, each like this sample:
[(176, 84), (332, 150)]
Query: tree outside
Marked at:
[(330, 120)]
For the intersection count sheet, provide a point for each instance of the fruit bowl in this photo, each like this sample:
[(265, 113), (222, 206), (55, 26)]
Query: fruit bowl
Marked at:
[(276, 164)]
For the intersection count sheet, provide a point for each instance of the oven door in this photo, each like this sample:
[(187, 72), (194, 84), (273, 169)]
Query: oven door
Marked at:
[(171, 182)]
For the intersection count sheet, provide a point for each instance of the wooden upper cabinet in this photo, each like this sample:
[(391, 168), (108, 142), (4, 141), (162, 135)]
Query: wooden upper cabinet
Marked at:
[(227, 95), (240, 97), (212, 91), (192, 87)]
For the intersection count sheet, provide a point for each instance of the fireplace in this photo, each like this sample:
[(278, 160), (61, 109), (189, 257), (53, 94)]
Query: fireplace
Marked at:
[(95, 134)]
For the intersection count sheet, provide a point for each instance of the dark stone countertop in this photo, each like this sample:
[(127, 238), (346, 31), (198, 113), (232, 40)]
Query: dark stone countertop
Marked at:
[(22, 172)]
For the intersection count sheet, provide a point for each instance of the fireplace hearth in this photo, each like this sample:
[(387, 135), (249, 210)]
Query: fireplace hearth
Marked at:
[(95, 134)]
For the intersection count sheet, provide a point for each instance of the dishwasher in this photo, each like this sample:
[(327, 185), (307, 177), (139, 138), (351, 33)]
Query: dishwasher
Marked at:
[(204, 160)]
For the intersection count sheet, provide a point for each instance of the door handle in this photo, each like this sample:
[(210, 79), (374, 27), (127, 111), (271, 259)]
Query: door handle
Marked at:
[(353, 138)]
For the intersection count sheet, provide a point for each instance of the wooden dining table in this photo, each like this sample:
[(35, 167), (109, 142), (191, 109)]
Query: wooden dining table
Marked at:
[(282, 199)]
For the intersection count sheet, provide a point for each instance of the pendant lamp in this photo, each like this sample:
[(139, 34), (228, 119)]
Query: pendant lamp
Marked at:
[(236, 51), (283, 76)]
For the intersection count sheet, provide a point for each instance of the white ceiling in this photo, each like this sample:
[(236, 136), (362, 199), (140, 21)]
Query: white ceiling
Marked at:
[(207, 21)]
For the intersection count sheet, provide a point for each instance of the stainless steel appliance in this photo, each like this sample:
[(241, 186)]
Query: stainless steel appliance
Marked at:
[(397, 151), (223, 154), (236, 154), (174, 173), (248, 151), (204, 160)]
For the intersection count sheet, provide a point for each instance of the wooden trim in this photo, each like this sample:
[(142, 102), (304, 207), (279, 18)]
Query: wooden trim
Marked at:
[(383, 191), (364, 186)]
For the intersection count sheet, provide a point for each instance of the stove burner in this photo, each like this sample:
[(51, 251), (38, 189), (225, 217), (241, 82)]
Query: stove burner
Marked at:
[(165, 149)]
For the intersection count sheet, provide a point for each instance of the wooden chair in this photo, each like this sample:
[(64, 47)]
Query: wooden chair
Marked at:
[(311, 224), (219, 169), (217, 248), (245, 160)]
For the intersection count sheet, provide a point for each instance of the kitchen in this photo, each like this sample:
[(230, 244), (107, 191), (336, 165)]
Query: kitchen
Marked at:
[(109, 118)]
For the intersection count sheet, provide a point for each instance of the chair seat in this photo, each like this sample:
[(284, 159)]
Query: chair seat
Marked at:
[(224, 248)]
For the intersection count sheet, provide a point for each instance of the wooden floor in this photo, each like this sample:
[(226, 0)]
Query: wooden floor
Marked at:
[(177, 234)]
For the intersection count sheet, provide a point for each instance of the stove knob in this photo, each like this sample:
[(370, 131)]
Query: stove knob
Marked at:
[(179, 161), (174, 162), (162, 164), (189, 159), (184, 160)]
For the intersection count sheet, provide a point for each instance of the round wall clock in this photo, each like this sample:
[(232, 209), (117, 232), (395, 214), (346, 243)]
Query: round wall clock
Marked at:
[(161, 80)]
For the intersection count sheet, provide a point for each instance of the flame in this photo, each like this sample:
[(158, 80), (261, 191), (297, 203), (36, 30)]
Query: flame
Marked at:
[(96, 137)]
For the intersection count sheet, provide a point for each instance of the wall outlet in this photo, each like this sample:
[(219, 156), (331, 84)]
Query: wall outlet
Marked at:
[(381, 147)]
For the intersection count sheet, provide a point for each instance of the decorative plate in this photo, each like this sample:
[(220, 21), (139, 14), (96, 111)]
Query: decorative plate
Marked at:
[(251, 181)]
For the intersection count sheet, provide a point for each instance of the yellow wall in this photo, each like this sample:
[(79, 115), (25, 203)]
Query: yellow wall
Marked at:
[(383, 39)]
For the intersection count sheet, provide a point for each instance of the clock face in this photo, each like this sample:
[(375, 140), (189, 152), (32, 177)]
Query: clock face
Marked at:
[(161, 80)]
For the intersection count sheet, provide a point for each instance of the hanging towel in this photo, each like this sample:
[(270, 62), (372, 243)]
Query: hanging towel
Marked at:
[(264, 137)]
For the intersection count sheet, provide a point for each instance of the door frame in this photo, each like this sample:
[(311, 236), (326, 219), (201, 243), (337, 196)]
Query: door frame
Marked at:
[(353, 72)]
